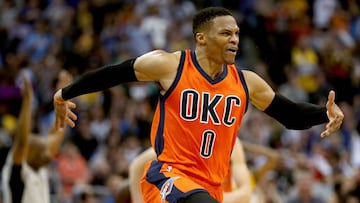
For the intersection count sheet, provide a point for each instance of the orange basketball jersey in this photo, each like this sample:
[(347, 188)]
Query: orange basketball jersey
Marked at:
[(197, 120)]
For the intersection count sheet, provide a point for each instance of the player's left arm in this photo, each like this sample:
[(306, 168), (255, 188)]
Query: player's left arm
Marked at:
[(241, 175), (293, 115)]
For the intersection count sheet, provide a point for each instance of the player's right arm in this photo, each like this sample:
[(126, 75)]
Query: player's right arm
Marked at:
[(158, 66), (22, 132)]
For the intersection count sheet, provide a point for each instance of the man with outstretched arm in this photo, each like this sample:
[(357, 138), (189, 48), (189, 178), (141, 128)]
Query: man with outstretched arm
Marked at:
[(203, 98)]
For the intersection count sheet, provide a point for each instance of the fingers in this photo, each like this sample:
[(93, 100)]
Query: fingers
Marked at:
[(69, 116), (331, 97), (329, 129), (332, 126), (64, 115), (72, 115), (336, 121), (70, 122), (325, 134), (71, 105), (330, 103), (60, 122)]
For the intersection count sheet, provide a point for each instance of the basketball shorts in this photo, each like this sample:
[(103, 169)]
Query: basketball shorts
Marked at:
[(163, 184)]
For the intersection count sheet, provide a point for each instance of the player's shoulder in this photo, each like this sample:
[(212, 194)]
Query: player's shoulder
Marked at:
[(160, 59), (157, 65), (162, 54), (249, 75)]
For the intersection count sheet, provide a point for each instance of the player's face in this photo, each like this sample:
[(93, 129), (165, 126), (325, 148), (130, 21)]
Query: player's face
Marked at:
[(223, 39)]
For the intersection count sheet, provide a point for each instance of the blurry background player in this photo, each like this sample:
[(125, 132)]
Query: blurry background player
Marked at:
[(25, 176), (260, 173)]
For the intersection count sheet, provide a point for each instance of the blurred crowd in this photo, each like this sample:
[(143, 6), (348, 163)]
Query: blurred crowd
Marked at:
[(303, 48)]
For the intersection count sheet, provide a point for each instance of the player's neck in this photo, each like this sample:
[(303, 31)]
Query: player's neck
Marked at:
[(212, 68)]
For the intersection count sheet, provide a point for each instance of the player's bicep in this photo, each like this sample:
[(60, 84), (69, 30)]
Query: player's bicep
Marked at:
[(261, 93), (152, 66)]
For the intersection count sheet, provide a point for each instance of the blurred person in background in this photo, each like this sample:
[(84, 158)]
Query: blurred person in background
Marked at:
[(73, 170), (304, 189), (265, 161), (25, 174)]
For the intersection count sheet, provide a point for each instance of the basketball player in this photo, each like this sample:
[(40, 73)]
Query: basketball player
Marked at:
[(203, 98), (25, 177)]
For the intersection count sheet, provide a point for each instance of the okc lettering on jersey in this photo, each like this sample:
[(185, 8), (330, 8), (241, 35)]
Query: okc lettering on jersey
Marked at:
[(190, 104)]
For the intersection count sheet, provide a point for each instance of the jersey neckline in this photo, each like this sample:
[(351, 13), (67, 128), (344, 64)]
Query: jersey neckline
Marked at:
[(218, 79)]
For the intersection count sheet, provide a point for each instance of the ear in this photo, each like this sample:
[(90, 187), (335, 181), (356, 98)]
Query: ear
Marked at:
[(200, 38)]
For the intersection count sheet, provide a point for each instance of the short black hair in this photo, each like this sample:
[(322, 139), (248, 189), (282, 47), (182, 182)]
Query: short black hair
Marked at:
[(204, 16)]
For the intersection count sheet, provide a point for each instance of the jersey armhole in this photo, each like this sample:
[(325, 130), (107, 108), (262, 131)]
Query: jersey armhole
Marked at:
[(242, 78), (177, 77)]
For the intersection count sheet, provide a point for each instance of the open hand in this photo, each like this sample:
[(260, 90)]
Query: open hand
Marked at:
[(63, 113), (335, 115)]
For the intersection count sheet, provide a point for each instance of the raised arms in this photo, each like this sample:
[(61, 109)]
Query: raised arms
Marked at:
[(23, 129)]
